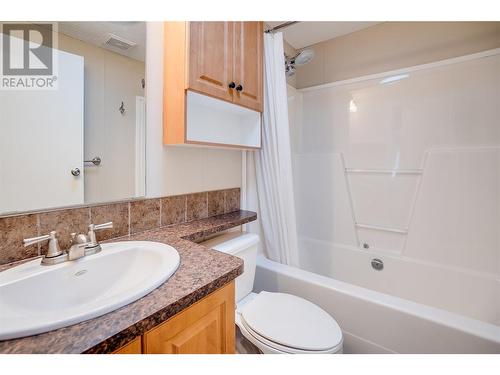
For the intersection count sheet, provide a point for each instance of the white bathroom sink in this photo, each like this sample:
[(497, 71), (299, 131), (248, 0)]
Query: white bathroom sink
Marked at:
[(35, 298)]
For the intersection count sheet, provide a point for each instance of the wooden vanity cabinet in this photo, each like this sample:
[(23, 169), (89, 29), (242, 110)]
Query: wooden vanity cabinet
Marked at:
[(133, 347), (206, 327), (221, 60)]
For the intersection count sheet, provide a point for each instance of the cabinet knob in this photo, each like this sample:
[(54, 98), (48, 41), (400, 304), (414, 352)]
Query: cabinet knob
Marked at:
[(239, 88), (232, 85)]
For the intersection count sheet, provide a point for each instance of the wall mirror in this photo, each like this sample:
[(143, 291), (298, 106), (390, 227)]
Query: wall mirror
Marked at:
[(81, 140)]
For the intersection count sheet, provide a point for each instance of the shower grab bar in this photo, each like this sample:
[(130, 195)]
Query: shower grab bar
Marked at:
[(385, 171), (385, 229)]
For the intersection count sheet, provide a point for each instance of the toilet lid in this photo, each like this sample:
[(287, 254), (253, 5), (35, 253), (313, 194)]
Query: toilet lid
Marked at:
[(291, 321)]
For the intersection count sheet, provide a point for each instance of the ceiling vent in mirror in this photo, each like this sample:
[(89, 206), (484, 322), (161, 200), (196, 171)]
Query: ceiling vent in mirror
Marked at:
[(119, 42)]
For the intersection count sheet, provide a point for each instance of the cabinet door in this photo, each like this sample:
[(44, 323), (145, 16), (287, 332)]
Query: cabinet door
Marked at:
[(207, 327), (133, 347), (248, 66), (211, 58)]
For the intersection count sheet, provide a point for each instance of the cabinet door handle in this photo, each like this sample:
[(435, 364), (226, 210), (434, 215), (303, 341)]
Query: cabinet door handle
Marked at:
[(239, 88), (232, 85)]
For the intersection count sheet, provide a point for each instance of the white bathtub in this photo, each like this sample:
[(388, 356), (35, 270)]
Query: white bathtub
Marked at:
[(375, 322), (461, 291)]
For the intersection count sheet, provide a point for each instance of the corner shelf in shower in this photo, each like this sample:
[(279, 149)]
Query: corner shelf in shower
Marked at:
[(378, 227), (384, 171)]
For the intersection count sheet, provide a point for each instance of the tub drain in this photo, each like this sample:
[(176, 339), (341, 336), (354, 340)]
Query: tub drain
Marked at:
[(377, 264)]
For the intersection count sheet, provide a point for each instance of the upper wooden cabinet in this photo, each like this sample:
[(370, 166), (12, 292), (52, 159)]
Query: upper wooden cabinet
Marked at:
[(225, 61), (211, 58), (248, 60), (221, 60)]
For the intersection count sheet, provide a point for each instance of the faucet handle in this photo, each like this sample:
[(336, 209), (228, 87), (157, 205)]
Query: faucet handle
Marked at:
[(107, 225), (92, 228), (54, 249)]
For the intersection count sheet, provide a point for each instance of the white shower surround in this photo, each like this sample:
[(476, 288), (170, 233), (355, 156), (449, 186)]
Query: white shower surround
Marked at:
[(412, 169)]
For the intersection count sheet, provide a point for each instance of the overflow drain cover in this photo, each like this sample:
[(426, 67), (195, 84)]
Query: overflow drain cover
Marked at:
[(377, 264)]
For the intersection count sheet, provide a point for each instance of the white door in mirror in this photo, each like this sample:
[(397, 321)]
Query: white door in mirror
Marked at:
[(36, 299), (41, 142)]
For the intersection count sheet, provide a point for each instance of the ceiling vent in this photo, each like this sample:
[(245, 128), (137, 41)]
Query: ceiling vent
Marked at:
[(119, 42)]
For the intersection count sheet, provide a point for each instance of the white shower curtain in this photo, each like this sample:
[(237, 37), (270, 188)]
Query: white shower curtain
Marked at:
[(273, 163)]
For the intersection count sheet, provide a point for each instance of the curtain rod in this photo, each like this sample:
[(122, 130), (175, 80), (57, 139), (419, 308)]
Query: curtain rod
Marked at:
[(281, 26)]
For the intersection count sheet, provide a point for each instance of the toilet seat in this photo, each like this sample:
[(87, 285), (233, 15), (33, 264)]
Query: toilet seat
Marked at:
[(284, 323), (267, 346)]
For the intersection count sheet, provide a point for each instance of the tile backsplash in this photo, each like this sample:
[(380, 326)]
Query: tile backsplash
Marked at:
[(127, 217)]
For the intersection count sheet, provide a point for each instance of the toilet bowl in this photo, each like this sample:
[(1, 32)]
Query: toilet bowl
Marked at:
[(277, 323)]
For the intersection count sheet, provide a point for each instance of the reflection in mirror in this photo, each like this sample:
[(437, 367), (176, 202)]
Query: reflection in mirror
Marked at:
[(83, 140)]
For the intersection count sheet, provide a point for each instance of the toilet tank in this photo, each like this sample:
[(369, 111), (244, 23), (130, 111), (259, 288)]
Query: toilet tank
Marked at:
[(243, 245)]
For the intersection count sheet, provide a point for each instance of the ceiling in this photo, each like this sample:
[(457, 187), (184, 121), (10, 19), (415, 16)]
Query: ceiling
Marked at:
[(97, 33), (305, 33), (299, 35)]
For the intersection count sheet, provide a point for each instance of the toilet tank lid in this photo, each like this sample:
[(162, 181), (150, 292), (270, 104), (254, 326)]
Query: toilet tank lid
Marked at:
[(232, 242)]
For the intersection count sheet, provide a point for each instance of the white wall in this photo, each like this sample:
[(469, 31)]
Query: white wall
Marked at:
[(178, 169)]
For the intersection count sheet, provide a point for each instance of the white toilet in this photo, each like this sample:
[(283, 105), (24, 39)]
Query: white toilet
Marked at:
[(276, 322)]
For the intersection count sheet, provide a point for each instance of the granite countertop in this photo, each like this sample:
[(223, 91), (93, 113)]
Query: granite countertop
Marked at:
[(201, 272)]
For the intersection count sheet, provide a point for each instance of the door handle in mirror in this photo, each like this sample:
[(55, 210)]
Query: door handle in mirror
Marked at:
[(96, 161)]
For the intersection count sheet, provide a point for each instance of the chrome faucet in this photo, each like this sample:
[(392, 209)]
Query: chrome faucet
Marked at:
[(81, 245), (77, 248)]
